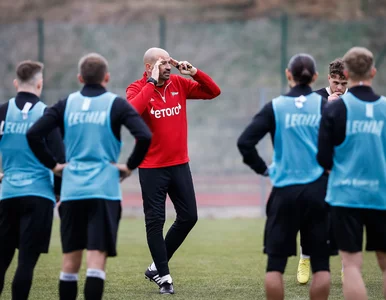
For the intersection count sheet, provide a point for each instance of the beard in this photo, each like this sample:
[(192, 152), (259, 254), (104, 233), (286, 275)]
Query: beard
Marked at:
[(164, 76)]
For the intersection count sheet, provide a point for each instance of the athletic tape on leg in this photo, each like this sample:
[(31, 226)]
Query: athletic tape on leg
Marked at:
[(68, 276), (96, 273)]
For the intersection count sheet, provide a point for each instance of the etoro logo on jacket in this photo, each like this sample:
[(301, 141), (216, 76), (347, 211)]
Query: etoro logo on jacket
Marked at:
[(166, 112)]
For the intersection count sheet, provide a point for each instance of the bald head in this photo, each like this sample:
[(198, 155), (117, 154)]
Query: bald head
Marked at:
[(153, 54), (359, 63), (150, 60)]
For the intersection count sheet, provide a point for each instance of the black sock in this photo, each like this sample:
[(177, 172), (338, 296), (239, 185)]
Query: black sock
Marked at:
[(6, 259), (68, 290), (93, 289), (21, 284)]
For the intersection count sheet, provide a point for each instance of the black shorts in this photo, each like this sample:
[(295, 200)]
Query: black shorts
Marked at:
[(90, 224), (26, 223), (297, 208), (333, 245), (348, 224)]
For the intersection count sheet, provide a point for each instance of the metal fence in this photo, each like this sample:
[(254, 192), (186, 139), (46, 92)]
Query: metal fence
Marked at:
[(246, 58)]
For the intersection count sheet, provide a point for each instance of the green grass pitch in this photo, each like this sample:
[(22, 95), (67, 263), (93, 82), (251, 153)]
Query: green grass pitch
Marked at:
[(221, 259)]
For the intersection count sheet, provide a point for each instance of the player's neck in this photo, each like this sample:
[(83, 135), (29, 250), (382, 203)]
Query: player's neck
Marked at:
[(359, 83), (30, 90)]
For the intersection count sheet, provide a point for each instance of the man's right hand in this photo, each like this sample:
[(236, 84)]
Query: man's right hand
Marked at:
[(155, 70), (58, 169), (124, 171), (334, 96)]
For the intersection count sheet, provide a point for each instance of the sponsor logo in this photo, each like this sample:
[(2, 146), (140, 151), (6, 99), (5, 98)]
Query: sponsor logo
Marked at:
[(14, 127), (166, 112)]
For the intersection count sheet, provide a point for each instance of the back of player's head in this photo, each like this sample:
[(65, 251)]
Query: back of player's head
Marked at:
[(28, 72), (93, 68), (359, 62), (336, 68), (302, 66)]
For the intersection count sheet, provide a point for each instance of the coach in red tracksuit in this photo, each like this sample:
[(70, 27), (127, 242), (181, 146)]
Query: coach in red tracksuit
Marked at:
[(160, 98)]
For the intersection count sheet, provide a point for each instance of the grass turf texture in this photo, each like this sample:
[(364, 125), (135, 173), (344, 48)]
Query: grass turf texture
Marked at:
[(221, 259)]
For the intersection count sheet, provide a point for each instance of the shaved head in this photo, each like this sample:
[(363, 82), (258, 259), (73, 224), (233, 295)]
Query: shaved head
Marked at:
[(152, 55), (157, 57)]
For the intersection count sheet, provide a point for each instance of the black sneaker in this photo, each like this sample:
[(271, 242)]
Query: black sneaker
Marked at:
[(153, 276), (166, 288)]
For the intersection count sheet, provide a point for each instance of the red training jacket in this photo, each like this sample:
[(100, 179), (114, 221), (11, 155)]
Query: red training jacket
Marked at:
[(164, 111)]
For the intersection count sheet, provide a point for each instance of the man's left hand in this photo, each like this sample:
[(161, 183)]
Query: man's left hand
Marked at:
[(184, 67), (124, 171), (58, 169)]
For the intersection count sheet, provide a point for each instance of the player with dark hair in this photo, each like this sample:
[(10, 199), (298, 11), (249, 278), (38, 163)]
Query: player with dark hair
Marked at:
[(337, 81), (27, 193), (352, 147), (160, 98), (299, 184), (90, 209)]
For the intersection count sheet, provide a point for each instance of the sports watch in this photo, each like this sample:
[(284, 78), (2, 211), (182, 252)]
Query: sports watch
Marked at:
[(152, 80)]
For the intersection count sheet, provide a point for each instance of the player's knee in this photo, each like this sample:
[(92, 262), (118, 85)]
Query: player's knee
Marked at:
[(321, 282), (320, 263), (187, 222), (191, 220), (27, 260), (70, 266), (71, 262), (25, 267), (155, 225), (351, 260), (276, 263), (155, 219), (96, 259)]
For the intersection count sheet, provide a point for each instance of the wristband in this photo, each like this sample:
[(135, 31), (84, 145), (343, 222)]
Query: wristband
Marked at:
[(152, 80)]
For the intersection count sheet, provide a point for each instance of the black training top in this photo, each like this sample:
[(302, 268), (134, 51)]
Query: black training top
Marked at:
[(323, 92)]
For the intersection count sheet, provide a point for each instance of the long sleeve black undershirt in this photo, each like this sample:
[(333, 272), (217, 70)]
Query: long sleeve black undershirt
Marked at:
[(332, 131), (53, 141), (263, 123), (323, 92), (121, 114)]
